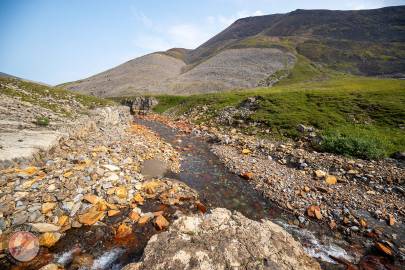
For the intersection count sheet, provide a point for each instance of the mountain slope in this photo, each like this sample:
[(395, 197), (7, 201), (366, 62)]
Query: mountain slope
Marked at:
[(365, 42), (140, 75)]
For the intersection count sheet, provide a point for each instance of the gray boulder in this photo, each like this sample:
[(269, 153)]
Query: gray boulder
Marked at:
[(223, 240), (143, 105)]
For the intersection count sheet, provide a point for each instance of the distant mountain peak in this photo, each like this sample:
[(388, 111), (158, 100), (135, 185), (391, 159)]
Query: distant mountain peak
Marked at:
[(365, 42)]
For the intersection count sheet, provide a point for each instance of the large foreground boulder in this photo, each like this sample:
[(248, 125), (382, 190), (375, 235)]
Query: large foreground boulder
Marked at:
[(223, 240)]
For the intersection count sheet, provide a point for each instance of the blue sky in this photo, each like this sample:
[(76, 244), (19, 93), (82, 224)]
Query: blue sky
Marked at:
[(55, 41)]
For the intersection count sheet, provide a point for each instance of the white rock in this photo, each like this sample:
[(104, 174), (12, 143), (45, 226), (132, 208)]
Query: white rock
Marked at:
[(112, 168), (44, 227)]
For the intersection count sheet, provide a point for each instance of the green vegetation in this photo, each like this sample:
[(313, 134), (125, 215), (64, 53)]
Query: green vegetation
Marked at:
[(358, 142), (42, 121), (357, 116), (166, 102), (46, 96), (370, 58), (261, 41)]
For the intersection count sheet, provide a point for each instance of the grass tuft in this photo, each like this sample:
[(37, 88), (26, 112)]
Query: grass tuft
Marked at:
[(42, 121)]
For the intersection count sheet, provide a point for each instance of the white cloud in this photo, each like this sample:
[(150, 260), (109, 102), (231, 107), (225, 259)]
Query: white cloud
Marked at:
[(187, 35), (156, 37), (151, 43)]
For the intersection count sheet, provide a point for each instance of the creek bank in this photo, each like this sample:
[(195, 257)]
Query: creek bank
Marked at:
[(88, 197), (330, 190), (34, 119)]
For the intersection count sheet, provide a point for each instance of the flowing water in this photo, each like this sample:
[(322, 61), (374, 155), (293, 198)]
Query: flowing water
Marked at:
[(218, 187)]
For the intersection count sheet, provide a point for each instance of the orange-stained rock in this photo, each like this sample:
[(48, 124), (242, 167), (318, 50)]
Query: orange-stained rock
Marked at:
[(47, 207), (201, 207), (49, 239), (383, 248), (112, 213), (63, 220), (247, 175), (363, 223), (91, 217), (123, 231), (331, 180), (391, 220), (246, 151), (91, 198), (138, 198), (314, 211), (143, 220), (67, 174), (134, 216), (161, 223), (121, 192)]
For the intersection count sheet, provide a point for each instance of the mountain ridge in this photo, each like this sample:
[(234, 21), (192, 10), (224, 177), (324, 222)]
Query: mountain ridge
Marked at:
[(360, 42)]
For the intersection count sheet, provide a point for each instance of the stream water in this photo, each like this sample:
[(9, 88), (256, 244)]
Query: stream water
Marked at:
[(218, 187)]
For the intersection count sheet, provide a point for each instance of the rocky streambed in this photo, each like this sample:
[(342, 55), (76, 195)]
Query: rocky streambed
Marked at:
[(97, 198), (85, 202), (316, 210)]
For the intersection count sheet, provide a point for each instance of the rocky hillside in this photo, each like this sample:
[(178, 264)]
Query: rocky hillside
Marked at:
[(166, 73), (254, 49), (140, 75), (34, 117)]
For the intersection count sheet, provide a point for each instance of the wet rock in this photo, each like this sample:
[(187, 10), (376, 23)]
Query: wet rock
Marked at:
[(82, 261), (247, 175), (123, 231), (385, 249), (51, 266), (144, 219), (49, 239), (391, 220), (161, 222), (222, 240), (354, 229), (134, 216)]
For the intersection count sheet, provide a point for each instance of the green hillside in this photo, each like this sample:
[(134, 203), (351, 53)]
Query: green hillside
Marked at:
[(358, 116)]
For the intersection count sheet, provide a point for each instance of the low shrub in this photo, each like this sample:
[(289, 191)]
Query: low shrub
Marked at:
[(42, 121), (355, 142)]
